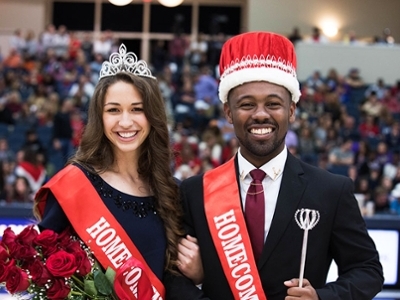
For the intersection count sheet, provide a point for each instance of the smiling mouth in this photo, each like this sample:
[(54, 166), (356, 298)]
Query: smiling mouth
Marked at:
[(260, 131), (127, 134)]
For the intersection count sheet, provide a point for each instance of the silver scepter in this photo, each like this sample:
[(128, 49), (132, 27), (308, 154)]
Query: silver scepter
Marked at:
[(306, 219)]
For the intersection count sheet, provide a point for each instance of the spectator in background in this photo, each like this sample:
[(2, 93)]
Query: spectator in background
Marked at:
[(187, 153), (214, 50), (391, 105), (230, 149), (315, 81), (159, 55), (33, 142), (369, 128), (31, 49), (62, 130), (333, 80), (348, 128), (102, 45), (62, 42), (48, 38), (361, 187), (341, 158), (167, 88), (87, 46), (353, 79), (317, 36), (20, 191), (198, 51), (211, 145), (6, 116), (372, 106), (295, 35), (381, 200), (177, 48), (77, 125), (6, 154), (183, 171), (14, 104), (387, 37), (3, 185), (183, 100), (379, 88), (95, 67), (394, 200), (382, 155), (206, 93), (392, 136), (395, 90), (291, 139), (362, 155), (81, 91), (31, 168), (17, 41), (307, 147), (13, 61)]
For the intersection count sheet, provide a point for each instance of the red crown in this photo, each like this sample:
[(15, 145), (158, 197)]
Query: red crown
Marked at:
[(258, 56)]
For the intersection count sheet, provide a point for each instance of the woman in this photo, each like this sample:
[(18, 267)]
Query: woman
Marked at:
[(119, 182)]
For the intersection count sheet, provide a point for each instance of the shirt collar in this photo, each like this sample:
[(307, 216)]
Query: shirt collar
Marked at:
[(273, 168)]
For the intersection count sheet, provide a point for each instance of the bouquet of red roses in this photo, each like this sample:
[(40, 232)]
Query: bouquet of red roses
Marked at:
[(48, 265)]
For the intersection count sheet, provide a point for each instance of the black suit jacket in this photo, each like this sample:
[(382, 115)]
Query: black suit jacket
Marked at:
[(341, 235)]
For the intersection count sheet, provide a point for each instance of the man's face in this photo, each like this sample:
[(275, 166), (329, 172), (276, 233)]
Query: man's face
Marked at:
[(261, 113)]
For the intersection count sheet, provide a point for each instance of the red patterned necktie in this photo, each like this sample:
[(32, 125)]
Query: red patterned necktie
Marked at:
[(255, 213)]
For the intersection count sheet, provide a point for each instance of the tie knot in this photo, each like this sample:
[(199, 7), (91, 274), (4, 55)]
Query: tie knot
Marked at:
[(257, 174)]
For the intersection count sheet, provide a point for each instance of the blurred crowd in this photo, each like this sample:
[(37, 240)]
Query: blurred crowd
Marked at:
[(343, 124)]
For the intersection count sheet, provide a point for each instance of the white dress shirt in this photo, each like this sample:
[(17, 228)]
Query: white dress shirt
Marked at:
[(271, 183)]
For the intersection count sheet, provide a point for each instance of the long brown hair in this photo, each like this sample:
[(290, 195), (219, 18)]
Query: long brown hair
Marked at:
[(154, 165)]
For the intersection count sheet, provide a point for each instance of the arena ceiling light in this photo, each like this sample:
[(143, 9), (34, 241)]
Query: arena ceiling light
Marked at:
[(120, 2), (170, 3)]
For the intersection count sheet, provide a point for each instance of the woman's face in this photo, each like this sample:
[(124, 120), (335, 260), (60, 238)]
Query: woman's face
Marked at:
[(125, 123)]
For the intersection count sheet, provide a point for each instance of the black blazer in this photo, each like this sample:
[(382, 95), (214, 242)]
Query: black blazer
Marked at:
[(341, 234)]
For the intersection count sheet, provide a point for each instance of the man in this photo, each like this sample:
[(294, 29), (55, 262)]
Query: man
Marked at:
[(260, 90)]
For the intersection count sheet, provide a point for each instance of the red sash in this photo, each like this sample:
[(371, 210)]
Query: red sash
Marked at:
[(228, 230), (98, 229)]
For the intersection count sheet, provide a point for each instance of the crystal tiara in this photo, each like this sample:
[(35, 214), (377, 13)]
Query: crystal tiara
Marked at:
[(124, 62)]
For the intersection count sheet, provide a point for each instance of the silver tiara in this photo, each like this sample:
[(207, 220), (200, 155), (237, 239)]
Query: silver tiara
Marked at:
[(124, 62)]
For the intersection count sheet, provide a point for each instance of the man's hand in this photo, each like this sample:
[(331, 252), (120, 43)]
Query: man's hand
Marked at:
[(307, 292), (189, 259)]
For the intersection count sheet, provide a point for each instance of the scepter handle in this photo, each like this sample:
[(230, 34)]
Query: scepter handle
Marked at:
[(303, 257)]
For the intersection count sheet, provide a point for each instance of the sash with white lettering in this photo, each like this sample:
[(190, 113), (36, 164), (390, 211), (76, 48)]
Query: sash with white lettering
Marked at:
[(228, 230), (99, 230)]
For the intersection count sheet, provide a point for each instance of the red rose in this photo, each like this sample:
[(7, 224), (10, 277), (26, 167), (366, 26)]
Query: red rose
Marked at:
[(64, 238), (4, 269), (82, 262), (58, 290), (8, 238), (23, 252), (40, 274), (27, 235), (4, 256), (17, 280), (61, 264), (47, 240), (73, 246)]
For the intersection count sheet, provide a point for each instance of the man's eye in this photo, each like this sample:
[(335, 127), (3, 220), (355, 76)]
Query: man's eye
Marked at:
[(246, 105)]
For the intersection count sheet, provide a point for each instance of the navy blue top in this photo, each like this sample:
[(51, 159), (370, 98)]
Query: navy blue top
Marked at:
[(137, 215)]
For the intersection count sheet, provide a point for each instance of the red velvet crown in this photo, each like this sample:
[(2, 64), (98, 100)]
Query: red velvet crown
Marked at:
[(258, 56)]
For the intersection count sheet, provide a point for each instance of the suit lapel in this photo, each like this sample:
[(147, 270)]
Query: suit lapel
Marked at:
[(290, 193)]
